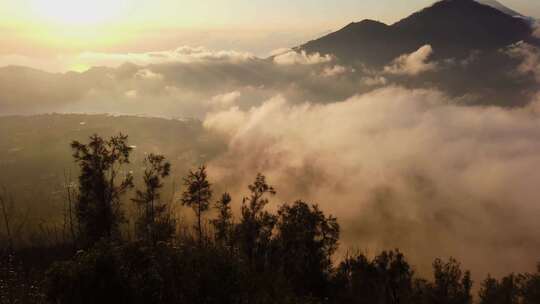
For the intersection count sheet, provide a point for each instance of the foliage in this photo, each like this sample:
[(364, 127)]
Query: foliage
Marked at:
[(223, 224), (98, 207), (451, 285), (197, 195), (256, 225), (307, 239), (155, 222), (387, 278)]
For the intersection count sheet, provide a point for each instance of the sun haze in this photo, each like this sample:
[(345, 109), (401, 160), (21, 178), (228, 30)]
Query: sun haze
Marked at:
[(77, 12)]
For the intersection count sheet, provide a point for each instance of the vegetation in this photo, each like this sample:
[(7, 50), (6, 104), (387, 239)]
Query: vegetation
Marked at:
[(155, 222), (98, 209), (264, 257)]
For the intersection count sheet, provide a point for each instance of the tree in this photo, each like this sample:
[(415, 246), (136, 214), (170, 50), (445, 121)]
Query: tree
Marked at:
[(395, 277), (4, 208), (452, 285), (155, 222), (223, 223), (307, 239), (101, 187), (504, 292), (256, 226), (14, 221), (530, 287), (385, 279), (197, 195)]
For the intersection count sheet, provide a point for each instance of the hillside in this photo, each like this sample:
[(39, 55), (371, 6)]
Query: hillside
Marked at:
[(454, 28)]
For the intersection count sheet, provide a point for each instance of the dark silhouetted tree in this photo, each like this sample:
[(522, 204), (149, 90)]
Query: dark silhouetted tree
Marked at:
[(504, 292), (197, 195), (256, 225), (307, 239), (387, 278), (155, 222), (530, 287), (395, 277), (452, 285), (13, 221), (101, 186), (6, 218), (223, 224)]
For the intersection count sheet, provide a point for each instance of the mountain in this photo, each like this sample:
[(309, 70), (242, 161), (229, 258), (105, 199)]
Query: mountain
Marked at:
[(454, 28), (497, 5)]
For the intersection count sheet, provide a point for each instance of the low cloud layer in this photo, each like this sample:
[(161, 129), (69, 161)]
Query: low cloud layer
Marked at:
[(400, 168), (185, 82), (184, 54)]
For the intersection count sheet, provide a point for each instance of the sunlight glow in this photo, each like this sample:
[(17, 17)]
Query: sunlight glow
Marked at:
[(78, 12)]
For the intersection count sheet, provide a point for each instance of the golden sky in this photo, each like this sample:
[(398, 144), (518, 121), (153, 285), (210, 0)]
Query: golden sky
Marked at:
[(56, 28)]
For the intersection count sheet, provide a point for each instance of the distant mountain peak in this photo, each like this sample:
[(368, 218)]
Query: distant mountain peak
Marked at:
[(454, 28), (364, 25), (501, 7), (369, 22)]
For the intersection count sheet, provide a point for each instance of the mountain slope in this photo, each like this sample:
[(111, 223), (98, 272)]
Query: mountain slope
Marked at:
[(453, 28), (497, 5)]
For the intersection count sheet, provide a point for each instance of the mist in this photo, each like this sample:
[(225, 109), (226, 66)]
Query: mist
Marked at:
[(400, 168), (186, 81), (403, 161)]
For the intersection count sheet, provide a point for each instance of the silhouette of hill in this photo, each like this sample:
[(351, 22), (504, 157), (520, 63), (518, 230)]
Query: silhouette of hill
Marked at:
[(454, 28), (496, 4)]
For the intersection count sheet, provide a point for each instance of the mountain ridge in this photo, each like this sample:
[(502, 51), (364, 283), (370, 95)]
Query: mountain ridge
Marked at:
[(503, 8), (453, 27)]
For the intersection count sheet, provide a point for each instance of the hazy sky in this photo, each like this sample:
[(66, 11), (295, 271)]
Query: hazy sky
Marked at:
[(220, 13), (61, 27)]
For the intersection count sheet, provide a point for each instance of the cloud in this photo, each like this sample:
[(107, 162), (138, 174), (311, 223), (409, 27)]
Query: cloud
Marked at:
[(374, 81), (413, 64), (147, 74), (183, 54), (279, 51), (225, 100), (334, 71), (132, 94), (536, 29), (183, 82), (399, 168), (530, 59), (167, 86), (293, 57), (226, 122), (56, 64)]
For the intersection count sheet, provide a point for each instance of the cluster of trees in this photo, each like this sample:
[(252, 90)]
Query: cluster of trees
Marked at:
[(261, 257)]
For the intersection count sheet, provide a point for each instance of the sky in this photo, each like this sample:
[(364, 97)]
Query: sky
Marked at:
[(46, 29)]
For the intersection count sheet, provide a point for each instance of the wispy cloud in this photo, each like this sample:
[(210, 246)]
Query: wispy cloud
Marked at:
[(294, 57), (414, 63)]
